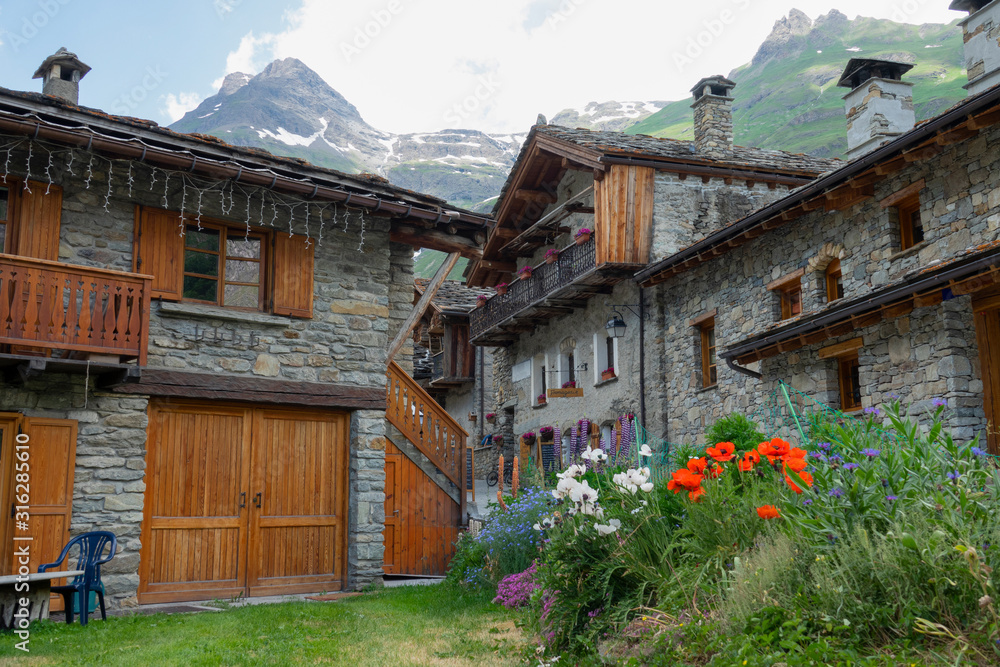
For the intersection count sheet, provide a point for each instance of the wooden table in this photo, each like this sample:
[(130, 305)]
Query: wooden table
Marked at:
[(39, 584)]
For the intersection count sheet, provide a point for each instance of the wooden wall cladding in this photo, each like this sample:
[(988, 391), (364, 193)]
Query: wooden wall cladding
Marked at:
[(623, 215)]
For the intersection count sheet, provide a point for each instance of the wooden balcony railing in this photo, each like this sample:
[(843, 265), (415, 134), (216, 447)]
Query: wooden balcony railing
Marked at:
[(574, 262), (52, 305), (427, 425)]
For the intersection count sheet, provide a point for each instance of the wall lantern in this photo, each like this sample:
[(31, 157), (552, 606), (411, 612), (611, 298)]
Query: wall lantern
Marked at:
[(615, 325)]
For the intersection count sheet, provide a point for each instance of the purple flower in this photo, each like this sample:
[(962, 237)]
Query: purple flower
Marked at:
[(891, 499), (954, 475), (939, 402), (807, 502), (872, 411), (817, 455), (825, 446), (851, 466), (836, 458), (837, 492), (976, 451), (871, 452)]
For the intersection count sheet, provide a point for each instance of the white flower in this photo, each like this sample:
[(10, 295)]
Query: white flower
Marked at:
[(645, 451), (565, 487), (636, 510), (598, 456), (537, 527), (572, 471), (583, 493), (586, 455), (647, 487), (612, 526), (645, 502)]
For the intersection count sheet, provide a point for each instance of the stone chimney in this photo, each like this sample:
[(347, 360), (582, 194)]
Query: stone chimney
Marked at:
[(713, 117), (981, 31), (60, 74), (879, 106)]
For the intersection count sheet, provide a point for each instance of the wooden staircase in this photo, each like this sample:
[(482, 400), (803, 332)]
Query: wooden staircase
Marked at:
[(427, 425)]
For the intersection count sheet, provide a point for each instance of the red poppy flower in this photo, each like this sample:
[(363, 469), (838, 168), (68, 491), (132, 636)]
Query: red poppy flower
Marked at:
[(768, 512), (697, 465), (684, 480), (714, 470), (696, 495), (806, 477), (798, 465), (795, 453), (749, 460), (722, 452)]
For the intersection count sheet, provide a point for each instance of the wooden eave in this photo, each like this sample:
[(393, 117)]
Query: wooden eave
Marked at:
[(850, 185)]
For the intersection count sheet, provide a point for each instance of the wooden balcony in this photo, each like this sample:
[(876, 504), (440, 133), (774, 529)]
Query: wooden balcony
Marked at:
[(73, 312), (552, 290)]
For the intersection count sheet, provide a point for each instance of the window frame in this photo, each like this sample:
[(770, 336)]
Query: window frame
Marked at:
[(709, 346), (787, 305), (834, 281), (849, 382), (225, 232), (908, 219)]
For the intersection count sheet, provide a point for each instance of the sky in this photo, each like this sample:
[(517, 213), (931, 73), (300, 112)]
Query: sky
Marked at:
[(409, 65)]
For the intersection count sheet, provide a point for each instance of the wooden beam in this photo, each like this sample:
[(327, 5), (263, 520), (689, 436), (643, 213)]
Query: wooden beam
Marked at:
[(497, 265), (422, 304), (905, 193), (985, 119), (435, 240), (537, 196)]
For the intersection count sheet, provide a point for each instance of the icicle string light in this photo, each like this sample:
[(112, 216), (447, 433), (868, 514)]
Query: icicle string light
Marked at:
[(48, 172), (166, 187), (274, 213), (6, 166), (198, 219), (90, 172), (28, 167), (107, 196), (180, 217), (152, 182), (361, 245), (131, 179)]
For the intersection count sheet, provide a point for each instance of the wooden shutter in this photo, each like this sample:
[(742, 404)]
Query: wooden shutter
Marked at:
[(293, 276), (38, 221), (160, 252)]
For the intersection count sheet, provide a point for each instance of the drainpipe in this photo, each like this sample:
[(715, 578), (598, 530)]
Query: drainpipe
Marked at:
[(642, 357), (740, 369), (482, 390)]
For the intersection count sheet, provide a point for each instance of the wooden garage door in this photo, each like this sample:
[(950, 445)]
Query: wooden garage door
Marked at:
[(242, 500)]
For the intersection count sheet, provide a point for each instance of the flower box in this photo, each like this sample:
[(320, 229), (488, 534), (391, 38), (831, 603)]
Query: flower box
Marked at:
[(551, 256), (481, 301), (583, 236), (569, 385), (524, 273), (608, 374), (501, 288), (541, 399)]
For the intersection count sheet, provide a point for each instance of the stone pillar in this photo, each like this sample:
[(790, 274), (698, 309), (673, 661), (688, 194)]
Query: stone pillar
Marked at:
[(713, 117), (366, 499)]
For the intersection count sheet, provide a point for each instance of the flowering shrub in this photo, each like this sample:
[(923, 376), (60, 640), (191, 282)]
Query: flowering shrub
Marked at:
[(515, 590)]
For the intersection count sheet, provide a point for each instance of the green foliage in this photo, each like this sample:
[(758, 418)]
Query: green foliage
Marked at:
[(737, 429)]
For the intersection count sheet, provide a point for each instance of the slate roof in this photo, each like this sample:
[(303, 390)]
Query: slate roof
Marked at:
[(454, 296)]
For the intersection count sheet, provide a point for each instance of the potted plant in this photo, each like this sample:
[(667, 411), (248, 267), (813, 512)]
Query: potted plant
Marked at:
[(501, 288), (583, 235), (481, 300), (569, 385), (608, 373), (541, 399), (545, 434), (491, 417), (551, 255), (529, 438), (524, 273)]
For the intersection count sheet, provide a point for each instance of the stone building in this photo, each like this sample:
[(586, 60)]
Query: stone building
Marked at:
[(178, 316), (873, 279), (586, 210)]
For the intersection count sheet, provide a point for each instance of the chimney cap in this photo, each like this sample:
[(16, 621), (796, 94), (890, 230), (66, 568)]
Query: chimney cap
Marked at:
[(859, 70), (61, 57), (720, 86), (971, 6)]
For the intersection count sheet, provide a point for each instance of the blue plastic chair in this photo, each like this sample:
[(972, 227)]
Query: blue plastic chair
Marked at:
[(91, 558)]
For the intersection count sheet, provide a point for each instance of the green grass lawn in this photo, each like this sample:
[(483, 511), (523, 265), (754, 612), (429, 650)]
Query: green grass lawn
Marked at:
[(413, 625)]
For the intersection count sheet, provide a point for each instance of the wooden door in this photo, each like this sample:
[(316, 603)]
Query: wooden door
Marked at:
[(298, 515), (51, 461), (986, 307), (393, 508), (194, 529), (428, 523)]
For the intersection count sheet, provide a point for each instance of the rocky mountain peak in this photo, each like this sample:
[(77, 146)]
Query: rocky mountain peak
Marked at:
[(233, 82), (786, 30)]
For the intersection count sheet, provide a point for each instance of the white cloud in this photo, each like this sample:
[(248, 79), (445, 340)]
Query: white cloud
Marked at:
[(412, 65), (175, 106)]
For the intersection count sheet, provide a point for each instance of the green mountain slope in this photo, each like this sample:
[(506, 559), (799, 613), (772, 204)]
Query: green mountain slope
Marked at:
[(787, 98), (427, 262)]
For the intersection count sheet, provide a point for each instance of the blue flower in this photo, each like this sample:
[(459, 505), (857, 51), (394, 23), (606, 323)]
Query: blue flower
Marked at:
[(939, 402), (870, 452), (807, 502), (976, 451), (836, 458), (872, 411), (851, 466), (954, 475), (825, 446), (837, 492), (891, 499), (817, 455)]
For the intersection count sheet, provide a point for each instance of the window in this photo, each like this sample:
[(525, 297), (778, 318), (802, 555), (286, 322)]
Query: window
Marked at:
[(834, 281), (224, 267), (609, 352), (850, 383), (911, 231), (709, 369), (539, 380), (791, 300), (605, 356), (4, 208), (570, 368)]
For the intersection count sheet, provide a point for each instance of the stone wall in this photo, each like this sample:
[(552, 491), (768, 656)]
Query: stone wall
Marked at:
[(109, 476), (929, 353), (366, 499)]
